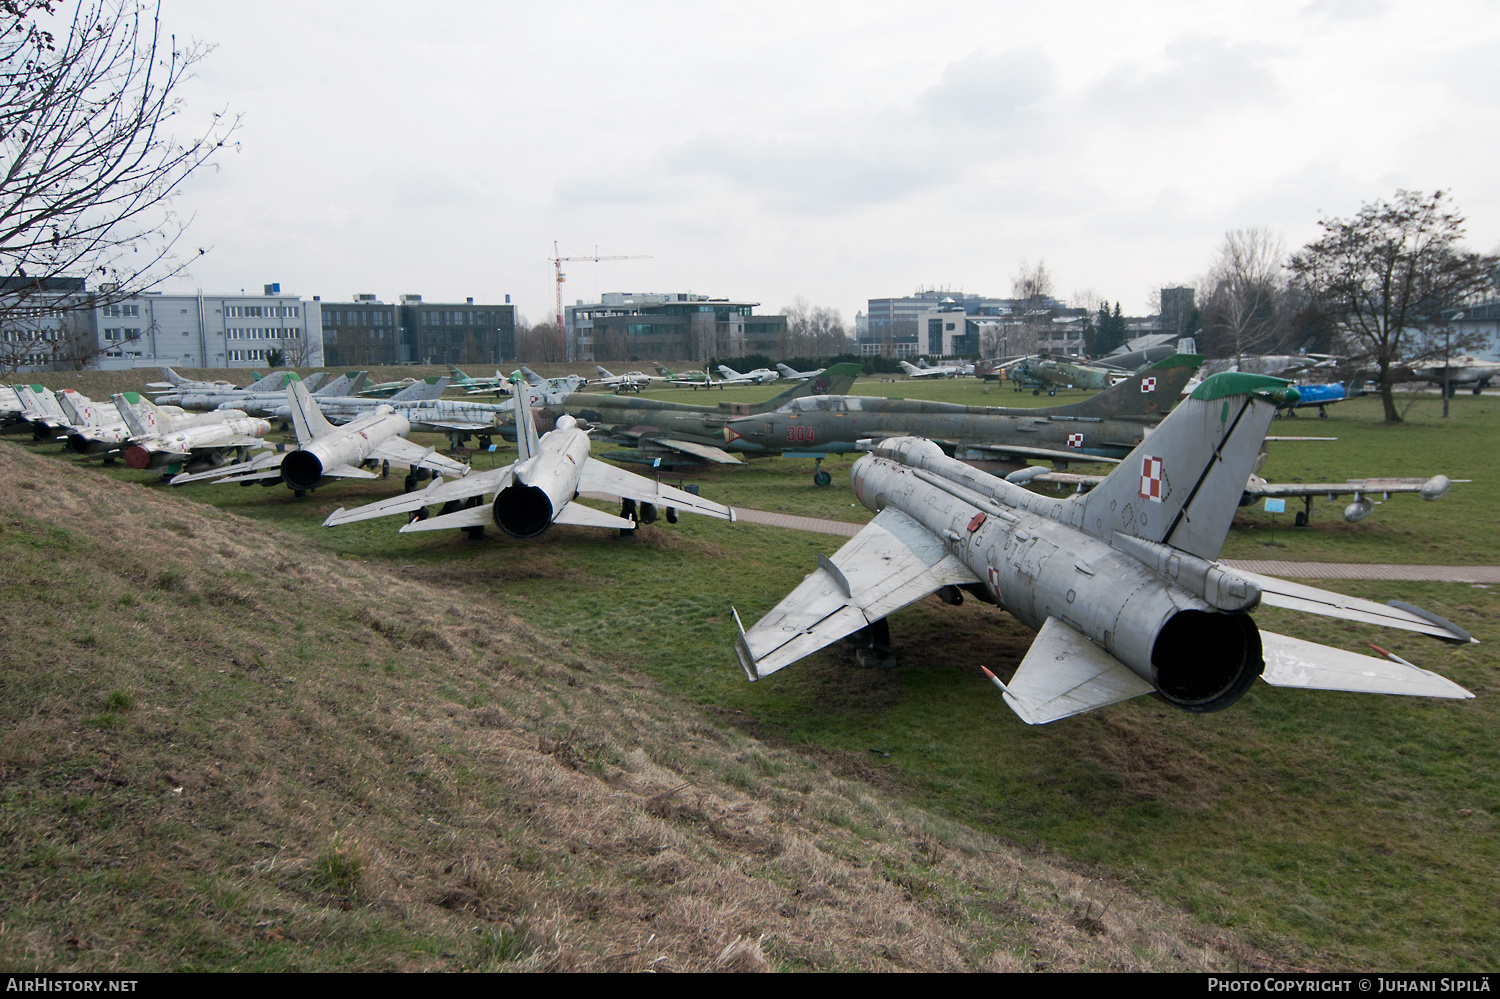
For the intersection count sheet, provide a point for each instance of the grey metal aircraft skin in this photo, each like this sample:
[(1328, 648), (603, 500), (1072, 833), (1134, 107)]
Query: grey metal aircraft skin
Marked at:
[(671, 434), (104, 430), (538, 490), (1105, 427), (203, 400), (1122, 585), (326, 453)]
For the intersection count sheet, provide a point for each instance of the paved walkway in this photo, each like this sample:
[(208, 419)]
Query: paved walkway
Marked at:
[(1291, 570)]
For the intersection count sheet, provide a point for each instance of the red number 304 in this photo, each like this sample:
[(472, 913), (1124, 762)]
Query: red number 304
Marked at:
[(799, 433)]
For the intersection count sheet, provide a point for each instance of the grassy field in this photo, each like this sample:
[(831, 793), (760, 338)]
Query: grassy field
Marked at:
[(1331, 830)]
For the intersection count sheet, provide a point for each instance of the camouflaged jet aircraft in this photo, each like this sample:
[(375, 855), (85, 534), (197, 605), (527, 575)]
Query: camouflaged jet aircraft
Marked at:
[(1122, 585), (1102, 428), (540, 489), (672, 434)]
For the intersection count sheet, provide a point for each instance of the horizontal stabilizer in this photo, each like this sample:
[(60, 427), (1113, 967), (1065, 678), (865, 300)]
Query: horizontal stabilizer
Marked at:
[(586, 516), (274, 473), (1065, 674), (474, 516), (350, 472), (477, 484), (265, 461), (1292, 662), (1295, 596)]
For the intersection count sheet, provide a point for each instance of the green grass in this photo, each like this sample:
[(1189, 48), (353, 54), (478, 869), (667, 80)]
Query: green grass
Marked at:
[(1345, 830)]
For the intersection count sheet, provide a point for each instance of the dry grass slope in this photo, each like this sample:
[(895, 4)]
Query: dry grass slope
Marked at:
[(223, 752)]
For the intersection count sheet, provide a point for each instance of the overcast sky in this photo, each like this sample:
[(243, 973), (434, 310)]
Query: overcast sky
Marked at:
[(836, 151)]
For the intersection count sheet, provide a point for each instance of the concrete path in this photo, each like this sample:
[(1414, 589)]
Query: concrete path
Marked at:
[(1286, 570)]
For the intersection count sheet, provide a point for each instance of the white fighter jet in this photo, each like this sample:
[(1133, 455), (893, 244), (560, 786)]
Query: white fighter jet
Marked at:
[(540, 489), (760, 376), (791, 374), (326, 452), (160, 442)]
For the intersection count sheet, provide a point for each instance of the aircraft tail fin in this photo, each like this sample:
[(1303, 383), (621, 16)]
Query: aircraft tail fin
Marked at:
[(274, 382), (140, 414), (836, 379), (357, 382), (338, 386), (1152, 390), (428, 388), (173, 376), (307, 418), (527, 441), (1182, 485)]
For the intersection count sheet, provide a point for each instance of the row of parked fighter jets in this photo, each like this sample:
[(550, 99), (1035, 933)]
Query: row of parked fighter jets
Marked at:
[(1122, 584)]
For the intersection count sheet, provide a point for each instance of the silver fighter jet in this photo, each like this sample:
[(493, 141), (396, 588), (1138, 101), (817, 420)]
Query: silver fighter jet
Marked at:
[(1122, 584), (538, 490), (326, 452)]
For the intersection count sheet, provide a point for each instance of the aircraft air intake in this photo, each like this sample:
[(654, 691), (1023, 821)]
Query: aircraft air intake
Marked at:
[(523, 511), (1205, 660)]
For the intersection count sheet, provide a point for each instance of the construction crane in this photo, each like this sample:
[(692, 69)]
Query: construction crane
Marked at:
[(557, 262)]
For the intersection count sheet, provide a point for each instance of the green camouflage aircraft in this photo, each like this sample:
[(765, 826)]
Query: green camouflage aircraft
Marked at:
[(670, 434), (1105, 427)]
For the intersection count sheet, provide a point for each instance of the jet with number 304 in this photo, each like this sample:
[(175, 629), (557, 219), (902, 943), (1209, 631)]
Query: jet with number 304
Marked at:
[(1122, 584)]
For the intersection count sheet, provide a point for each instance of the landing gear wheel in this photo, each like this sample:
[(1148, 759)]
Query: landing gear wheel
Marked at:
[(874, 641), (822, 478), (1301, 519), (410, 484), (298, 493), (627, 510)]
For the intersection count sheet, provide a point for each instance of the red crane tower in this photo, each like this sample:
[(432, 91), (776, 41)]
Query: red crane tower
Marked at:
[(557, 262)]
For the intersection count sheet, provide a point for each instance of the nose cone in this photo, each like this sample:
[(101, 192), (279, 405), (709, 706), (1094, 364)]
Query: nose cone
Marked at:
[(137, 457)]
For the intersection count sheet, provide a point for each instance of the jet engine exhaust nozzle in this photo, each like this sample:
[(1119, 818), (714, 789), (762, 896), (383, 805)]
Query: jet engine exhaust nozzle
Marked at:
[(523, 511), (301, 469), (137, 457), (1204, 661)]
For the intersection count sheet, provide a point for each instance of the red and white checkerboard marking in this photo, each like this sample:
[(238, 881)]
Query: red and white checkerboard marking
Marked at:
[(1148, 384), (1075, 440), (1151, 478)]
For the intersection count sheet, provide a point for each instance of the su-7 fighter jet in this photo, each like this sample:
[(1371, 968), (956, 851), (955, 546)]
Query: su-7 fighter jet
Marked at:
[(526, 498), (1122, 584), (326, 452)]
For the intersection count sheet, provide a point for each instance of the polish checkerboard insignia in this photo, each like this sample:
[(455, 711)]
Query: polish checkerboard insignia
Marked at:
[(1148, 384), (1151, 479), (994, 575), (1075, 440)]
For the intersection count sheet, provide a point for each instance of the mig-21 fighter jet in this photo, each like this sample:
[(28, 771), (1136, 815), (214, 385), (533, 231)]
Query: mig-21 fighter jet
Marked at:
[(1122, 585), (325, 452)]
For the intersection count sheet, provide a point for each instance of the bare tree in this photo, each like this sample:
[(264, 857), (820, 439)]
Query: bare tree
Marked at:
[(1388, 274), (1032, 286), (90, 168), (538, 345), (813, 330), (296, 349), (1245, 294)]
